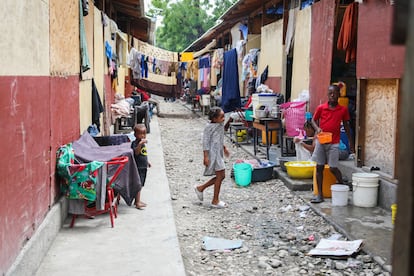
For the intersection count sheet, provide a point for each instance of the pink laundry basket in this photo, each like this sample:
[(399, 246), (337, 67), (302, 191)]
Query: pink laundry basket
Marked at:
[(294, 113)]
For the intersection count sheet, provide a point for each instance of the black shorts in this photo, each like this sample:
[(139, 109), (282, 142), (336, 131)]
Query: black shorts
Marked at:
[(142, 175)]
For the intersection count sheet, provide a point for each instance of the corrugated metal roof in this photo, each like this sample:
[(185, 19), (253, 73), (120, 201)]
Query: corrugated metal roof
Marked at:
[(129, 16), (239, 11)]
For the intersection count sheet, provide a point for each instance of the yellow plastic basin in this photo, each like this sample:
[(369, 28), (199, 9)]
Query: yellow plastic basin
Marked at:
[(300, 169)]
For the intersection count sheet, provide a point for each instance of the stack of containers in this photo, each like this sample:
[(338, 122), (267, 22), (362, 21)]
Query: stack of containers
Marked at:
[(268, 100)]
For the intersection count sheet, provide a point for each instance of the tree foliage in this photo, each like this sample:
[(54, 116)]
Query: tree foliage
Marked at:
[(184, 21)]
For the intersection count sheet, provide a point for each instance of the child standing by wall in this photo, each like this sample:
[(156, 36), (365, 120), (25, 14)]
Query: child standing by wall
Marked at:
[(214, 151), (141, 158)]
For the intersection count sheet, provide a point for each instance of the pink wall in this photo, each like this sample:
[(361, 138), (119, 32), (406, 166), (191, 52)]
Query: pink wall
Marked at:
[(323, 13), (274, 83), (36, 118), (376, 57)]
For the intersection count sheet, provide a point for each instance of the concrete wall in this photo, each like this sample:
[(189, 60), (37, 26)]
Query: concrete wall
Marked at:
[(253, 41), (382, 65), (85, 85), (25, 43), (39, 106), (376, 57), (271, 54), (323, 14), (301, 52), (85, 103), (272, 49)]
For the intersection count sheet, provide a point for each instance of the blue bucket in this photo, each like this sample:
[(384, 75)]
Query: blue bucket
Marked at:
[(243, 173)]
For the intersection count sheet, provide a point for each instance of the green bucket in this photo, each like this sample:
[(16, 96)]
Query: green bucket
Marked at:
[(242, 173), (248, 114)]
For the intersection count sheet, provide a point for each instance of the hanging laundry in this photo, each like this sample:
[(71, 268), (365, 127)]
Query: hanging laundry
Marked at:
[(290, 32), (97, 107), (154, 64), (108, 50), (245, 30), (347, 39), (104, 19), (85, 64), (85, 7), (263, 76), (144, 66), (231, 90), (216, 64), (134, 62)]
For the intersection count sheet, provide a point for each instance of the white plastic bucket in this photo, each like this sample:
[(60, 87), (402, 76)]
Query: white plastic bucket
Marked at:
[(339, 195), (365, 189)]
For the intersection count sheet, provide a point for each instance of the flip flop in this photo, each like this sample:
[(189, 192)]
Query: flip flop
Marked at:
[(317, 200), (198, 193), (220, 205)]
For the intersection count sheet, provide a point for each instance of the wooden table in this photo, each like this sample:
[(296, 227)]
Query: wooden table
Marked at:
[(268, 125)]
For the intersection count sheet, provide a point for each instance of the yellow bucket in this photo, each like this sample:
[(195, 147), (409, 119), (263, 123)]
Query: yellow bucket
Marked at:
[(274, 137), (393, 212)]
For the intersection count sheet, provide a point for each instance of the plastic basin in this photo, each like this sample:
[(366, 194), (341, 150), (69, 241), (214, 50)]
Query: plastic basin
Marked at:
[(283, 160), (324, 137), (300, 169)]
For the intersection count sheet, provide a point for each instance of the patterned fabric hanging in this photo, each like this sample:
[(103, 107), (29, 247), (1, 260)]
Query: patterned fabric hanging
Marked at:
[(78, 181)]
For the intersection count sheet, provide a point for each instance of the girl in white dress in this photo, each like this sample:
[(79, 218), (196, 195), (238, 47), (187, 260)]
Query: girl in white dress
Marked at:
[(214, 151)]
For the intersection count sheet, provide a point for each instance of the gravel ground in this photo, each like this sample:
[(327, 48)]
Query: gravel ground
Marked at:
[(277, 227)]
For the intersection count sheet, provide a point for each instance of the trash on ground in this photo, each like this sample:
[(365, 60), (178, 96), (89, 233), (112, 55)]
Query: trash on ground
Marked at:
[(335, 236), (336, 248), (286, 208), (210, 243)]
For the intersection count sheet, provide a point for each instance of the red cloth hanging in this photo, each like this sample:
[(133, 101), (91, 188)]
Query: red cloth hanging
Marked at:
[(347, 39)]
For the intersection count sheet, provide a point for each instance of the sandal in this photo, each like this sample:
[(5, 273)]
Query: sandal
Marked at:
[(198, 193), (220, 205), (317, 199)]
